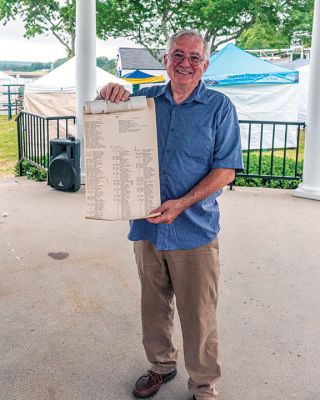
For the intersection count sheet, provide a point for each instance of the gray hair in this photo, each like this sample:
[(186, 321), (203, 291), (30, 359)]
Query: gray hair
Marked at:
[(191, 33)]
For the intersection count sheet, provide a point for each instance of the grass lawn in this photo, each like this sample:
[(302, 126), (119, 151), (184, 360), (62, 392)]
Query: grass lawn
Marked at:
[(8, 146)]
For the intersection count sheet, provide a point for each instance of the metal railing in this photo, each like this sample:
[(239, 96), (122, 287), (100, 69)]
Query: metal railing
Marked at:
[(14, 94), (34, 134), (271, 149)]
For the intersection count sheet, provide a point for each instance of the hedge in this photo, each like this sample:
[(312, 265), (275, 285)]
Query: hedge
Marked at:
[(265, 170)]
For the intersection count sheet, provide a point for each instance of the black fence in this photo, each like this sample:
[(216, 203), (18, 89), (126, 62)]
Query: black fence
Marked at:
[(271, 149), (34, 134)]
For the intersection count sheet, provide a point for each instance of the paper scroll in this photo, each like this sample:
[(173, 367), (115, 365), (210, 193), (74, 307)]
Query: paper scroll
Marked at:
[(121, 159)]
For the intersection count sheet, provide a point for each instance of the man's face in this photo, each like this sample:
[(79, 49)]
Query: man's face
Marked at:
[(185, 74)]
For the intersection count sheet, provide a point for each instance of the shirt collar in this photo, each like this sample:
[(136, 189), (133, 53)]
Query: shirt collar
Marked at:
[(199, 94)]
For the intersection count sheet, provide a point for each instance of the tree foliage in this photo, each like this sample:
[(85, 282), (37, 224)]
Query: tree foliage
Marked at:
[(294, 27), (223, 20), (297, 24), (107, 65), (150, 22), (263, 36), (59, 62), (258, 23), (102, 62), (43, 17), (20, 66)]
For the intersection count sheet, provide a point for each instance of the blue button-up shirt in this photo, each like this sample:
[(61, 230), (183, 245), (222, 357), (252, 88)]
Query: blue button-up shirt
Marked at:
[(194, 137)]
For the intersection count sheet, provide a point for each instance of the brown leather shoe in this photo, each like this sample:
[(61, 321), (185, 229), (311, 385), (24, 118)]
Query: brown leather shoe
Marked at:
[(149, 383)]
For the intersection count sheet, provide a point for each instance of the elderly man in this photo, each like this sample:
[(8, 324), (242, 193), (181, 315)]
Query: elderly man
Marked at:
[(177, 253)]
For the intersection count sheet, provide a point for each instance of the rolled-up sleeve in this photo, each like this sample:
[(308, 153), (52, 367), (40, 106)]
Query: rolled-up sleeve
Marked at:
[(227, 151)]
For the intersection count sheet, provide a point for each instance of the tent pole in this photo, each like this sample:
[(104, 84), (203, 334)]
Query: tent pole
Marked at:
[(85, 63), (310, 186)]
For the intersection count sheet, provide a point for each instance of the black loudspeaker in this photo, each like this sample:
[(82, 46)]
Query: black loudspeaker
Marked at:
[(64, 167)]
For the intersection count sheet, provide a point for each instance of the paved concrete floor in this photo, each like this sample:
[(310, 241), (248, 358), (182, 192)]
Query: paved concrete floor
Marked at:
[(69, 299)]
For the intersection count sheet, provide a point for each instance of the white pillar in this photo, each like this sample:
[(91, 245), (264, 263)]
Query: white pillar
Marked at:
[(85, 63), (310, 186)]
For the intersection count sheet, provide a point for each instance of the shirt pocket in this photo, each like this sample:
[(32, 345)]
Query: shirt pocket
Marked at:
[(197, 145)]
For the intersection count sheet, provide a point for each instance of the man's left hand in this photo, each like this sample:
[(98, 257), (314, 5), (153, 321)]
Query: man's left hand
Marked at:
[(169, 212)]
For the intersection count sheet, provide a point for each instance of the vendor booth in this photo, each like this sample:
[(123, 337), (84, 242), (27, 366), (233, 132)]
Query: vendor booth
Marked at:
[(260, 91), (55, 93)]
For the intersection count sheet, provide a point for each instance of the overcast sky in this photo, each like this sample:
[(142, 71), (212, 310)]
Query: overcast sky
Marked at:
[(14, 47)]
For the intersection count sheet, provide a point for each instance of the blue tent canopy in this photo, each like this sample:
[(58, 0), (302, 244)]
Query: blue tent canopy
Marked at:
[(137, 74), (137, 77), (234, 66)]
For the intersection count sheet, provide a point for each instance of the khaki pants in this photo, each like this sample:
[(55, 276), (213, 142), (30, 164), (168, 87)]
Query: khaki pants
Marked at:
[(192, 276)]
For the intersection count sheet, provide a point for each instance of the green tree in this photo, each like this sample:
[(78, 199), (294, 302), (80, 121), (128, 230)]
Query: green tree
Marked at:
[(263, 36), (102, 62), (294, 27), (38, 66), (22, 66), (150, 22), (59, 62), (42, 17), (297, 24), (106, 64), (223, 20)]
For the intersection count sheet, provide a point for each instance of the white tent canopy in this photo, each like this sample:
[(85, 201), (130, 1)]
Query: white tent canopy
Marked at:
[(55, 93), (63, 78)]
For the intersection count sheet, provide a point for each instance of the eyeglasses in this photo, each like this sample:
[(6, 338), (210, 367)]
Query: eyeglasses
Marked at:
[(193, 59)]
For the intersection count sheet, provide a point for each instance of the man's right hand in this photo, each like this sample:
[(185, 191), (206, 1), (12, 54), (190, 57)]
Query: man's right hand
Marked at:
[(114, 92)]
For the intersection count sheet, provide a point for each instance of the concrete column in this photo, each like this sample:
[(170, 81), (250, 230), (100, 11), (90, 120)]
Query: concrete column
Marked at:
[(85, 63), (310, 186)]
